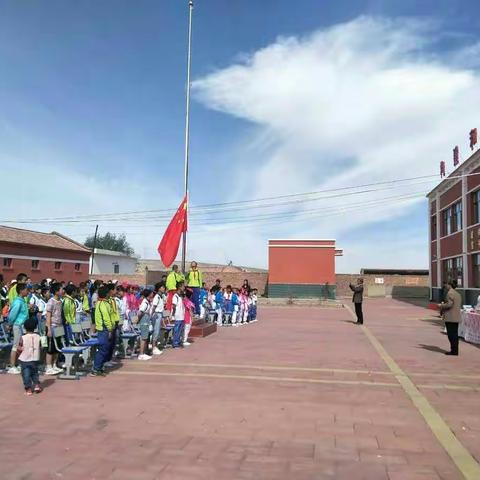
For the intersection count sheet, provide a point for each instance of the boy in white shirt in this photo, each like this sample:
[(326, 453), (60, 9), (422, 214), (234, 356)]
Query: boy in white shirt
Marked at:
[(178, 314), (158, 306)]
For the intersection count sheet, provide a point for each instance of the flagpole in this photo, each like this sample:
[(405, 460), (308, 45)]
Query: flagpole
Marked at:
[(187, 124)]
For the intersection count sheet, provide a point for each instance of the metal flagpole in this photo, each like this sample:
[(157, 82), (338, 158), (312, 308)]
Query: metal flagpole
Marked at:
[(187, 124)]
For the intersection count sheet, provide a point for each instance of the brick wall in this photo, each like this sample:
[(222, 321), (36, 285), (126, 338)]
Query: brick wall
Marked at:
[(235, 279), (401, 282)]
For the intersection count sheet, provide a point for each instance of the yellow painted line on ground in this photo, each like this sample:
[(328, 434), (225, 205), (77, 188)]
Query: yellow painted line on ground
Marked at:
[(264, 367), (462, 458), (300, 369), (259, 377), (461, 388)]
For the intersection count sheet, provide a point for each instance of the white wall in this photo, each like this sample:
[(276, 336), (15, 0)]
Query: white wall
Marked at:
[(103, 264)]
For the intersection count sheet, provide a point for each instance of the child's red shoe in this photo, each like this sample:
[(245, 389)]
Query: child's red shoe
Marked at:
[(28, 392), (38, 389)]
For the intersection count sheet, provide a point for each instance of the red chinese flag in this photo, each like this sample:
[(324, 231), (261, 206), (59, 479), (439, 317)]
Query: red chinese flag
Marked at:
[(168, 247)]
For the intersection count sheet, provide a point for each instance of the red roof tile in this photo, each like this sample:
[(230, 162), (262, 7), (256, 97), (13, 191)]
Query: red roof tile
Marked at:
[(30, 237)]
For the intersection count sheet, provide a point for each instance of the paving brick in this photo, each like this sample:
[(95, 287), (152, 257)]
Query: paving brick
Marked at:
[(187, 427)]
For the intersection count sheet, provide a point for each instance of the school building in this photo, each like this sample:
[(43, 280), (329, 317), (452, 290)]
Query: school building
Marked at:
[(302, 268), (42, 255), (454, 233)]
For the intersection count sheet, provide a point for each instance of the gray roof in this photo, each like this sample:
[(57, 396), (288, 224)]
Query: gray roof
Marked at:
[(113, 253)]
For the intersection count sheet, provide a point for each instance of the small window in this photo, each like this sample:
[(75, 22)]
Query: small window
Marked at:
[(58, 265), (77, 267), (7, 262), (116, 268), (35, 264)]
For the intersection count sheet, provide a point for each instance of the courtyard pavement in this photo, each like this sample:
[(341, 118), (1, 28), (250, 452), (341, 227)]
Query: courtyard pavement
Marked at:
[(303, 394)]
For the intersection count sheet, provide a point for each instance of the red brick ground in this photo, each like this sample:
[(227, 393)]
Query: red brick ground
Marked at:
[(334, 411)]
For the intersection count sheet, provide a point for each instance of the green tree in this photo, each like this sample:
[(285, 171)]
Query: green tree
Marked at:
[(110, 241)]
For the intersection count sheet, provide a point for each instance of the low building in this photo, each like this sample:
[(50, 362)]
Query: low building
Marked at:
[(302, 268), (454, 217), (42, 255), (106, 262)]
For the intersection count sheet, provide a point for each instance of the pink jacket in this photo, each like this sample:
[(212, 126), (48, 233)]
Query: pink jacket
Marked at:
[(189, 307)]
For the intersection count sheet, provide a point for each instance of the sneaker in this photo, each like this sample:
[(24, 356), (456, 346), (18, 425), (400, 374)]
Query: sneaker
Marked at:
[(97, 373), (144, 357), (109, 364), (14, 370), (157, 351), (51, 371), (38, 389), (28, 392), (58, 370), (186, 343)]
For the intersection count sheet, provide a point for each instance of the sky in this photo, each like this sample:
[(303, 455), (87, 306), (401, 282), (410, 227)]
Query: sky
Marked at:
[(287, 99)]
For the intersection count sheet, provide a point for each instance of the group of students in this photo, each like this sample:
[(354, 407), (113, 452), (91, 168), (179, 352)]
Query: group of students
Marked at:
[(157, 316)]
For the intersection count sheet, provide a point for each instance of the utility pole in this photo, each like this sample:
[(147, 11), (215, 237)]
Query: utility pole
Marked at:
[(92, 257)]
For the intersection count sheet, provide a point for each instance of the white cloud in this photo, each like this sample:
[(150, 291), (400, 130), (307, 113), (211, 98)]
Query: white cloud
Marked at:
[(361, 102)]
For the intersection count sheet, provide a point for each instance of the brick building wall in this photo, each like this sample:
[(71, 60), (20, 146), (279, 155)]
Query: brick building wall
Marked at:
[(135, 279)]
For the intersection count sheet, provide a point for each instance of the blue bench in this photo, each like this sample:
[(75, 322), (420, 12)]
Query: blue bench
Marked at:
[(70, 353)]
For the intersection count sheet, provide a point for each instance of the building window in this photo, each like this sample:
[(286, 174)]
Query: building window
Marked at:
[(452, 219), (453, 270), (58, 265), (77, 267), (35, 264), (116, 268), (476, 270), (433, 224), (457, 217), (475, 206), (7, 263)]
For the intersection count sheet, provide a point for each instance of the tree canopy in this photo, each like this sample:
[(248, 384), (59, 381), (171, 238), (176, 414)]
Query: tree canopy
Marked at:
[(111, 241)]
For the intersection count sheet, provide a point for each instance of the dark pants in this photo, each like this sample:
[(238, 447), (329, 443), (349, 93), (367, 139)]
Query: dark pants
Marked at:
[(452, 332), (196, 299), (359, 312), (113, 344), (103, 350), (30, 374), (178, 333)]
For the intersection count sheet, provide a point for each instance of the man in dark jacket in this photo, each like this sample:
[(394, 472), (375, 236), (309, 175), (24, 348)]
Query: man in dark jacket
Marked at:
[(358, 299)]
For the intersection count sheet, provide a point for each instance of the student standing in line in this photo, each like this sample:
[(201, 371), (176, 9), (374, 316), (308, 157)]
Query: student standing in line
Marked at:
[(12, 292), (145, 320), (29, 358), (54, 319), (104, 325), (158, 307), (69, 311), (17, 316), (178, 313), (189, 312), (358, 299)]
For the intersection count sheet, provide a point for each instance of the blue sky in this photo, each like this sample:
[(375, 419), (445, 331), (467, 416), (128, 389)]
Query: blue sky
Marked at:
[(285, 100)]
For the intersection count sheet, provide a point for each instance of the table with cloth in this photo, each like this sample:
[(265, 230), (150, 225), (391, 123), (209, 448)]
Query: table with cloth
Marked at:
[(469, 328)]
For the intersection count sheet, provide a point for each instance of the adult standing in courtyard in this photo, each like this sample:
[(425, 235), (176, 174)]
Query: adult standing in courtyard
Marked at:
[(194, 282), (358, 299), (450, 309)]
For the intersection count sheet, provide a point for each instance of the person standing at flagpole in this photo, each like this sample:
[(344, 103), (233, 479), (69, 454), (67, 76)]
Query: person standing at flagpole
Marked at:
[(194, 282), (173, 278)]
